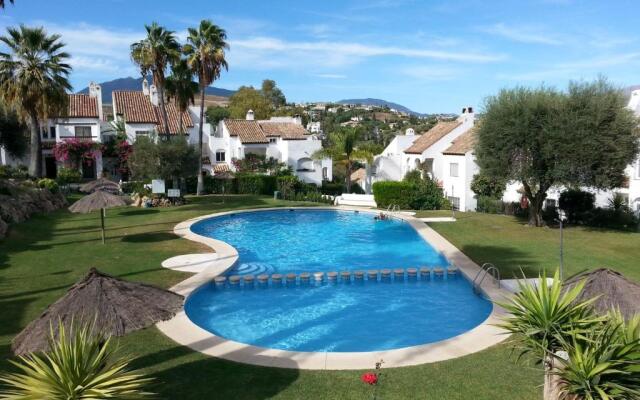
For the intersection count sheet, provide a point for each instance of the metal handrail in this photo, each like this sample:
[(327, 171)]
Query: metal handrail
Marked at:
[(486, 269)]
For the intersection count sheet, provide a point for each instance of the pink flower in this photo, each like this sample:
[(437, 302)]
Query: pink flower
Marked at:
[(369, 378)]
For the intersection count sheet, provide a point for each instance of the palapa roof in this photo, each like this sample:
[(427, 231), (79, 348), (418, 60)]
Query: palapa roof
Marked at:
[(433, 135), (96, 201), (613, 288), (114, 306), (137, 108), (252, 132), (104, 184), (358, 175), (462, 144)]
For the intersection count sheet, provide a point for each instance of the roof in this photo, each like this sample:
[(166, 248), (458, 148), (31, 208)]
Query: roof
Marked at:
[(137, 108), (358, 175), (463, 144), (82, 106), (613, 289), (221, 167), (260, 131), (433, 135), (285, 130)]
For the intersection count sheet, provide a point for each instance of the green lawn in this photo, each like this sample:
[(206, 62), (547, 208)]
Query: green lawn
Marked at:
[(510, 244), (45, 255)]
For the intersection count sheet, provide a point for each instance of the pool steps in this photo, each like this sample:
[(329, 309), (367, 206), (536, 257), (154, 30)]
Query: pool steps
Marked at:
[(317, 278)]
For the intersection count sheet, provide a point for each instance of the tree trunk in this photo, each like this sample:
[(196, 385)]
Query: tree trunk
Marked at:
[(550, 391), (35, 162), (536, 201), (181, 122), (348, 176), (163, 109), (200, 187)]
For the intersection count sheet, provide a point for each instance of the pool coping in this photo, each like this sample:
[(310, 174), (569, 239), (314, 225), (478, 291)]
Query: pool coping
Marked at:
[(183, 331)]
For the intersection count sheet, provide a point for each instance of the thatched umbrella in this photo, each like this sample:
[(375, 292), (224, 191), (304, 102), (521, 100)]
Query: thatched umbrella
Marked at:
[(104, 184), (114, 306), (97, 200), (615, 291)]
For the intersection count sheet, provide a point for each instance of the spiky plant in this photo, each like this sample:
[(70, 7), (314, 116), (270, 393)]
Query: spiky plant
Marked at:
[(79, 365), (542, 318), (604, 364)]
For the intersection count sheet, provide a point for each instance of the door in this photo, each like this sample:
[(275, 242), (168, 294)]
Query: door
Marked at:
[(88, 170), (50, 167)]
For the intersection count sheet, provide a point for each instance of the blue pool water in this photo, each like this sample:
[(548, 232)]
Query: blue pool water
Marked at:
[(345, 316)]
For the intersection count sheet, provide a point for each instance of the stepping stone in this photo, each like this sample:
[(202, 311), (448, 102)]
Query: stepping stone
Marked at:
[(291, 277), (332, 275), (305, 276), (452, 271), (234, 279), (398, 272), (372, 274), (385, 272), (263, 277), (220, 280), (318, 276), (191, 262), (248, 278), (438, 271), (425, 271), (276, 278), (412, 271)]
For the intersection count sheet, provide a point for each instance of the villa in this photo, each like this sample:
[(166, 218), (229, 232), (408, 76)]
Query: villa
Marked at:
[(281, 138)]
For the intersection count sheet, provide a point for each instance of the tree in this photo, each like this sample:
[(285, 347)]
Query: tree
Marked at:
[(181, 88), (12, 132), (273, 93), (343, 148), (33, 80), (217, 114), (488, 186), (2, 3), (176, 159), (543, 318), (82, 364), (247, 98), (155, 53), (544, 138), (205, 52), (143, 160)]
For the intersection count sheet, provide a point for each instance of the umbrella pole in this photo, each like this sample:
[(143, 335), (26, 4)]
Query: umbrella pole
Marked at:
[(102, 223)]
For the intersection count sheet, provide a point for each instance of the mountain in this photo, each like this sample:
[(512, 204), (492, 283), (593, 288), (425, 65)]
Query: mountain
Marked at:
[(136, 84), (380, 103)]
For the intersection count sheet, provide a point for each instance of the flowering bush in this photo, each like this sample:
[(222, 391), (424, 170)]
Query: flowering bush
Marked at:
[(370, 378), (76, 152)]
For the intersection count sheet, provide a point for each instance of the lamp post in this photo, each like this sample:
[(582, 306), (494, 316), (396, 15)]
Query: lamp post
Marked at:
[(561, 218)]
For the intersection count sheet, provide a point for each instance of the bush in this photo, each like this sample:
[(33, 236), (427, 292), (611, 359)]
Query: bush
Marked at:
[(333, 189), (67, 176), (286, 185), (9, 172), (576, 203), (133, 187), (256, 184), (50, 184), (611, 218), (416, 196), (483, 185), (489, 205)]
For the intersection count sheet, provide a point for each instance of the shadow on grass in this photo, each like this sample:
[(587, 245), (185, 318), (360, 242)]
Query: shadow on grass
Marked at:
[(512, 263), (138, 211), (151, 237)]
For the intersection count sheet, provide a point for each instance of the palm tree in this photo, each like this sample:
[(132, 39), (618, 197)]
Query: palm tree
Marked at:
[(181, 88), (344, 149), (543, 318), (205, 51), (33, 78), (154, 54), (80, 365), (2, 3)]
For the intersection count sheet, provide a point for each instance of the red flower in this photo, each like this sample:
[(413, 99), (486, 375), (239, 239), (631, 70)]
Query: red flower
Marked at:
[(370, 378)]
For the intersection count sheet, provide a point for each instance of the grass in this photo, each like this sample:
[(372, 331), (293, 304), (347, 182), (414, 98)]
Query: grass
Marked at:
[(44, 256), (510, 244)]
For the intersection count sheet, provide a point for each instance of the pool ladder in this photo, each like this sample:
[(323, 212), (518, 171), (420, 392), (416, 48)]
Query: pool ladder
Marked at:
[(486, 269), (392, 208)]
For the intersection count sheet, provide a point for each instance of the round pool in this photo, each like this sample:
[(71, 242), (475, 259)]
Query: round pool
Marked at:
[(344, 314)]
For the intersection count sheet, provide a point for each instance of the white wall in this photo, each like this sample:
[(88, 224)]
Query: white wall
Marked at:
[(460, 186), (65, 128)]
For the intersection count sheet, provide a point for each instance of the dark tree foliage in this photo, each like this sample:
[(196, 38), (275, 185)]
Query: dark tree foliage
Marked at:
[(488, 186), (544, 137), (273, 93), (217, 114), (12, 133)]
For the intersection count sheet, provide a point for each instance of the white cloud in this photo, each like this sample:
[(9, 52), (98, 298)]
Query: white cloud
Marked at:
[(523, 34), (431, 73), (331, 76)]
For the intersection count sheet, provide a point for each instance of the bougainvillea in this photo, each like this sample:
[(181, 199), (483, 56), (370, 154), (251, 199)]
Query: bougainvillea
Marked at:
[(75, 152), (370, 378)]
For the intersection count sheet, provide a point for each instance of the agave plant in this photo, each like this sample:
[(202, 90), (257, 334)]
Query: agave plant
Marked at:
[(79, 365), (605, 364), (543, 318)]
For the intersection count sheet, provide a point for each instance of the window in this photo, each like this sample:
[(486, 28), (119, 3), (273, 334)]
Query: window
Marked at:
[(273, 140), (83, 131), (455, 202), (549, 204), (220, 156), (143, 133), (325, 174), (453, 169), (52, 132)]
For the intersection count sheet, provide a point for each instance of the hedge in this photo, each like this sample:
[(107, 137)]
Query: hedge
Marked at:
[(425, 195), (242, 184)]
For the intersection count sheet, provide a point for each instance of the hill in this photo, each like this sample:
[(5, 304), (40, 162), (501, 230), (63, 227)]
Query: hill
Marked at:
[(380, 103), (130, 83)]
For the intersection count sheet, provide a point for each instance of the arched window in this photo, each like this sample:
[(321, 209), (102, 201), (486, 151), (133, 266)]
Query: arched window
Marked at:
[(305, 164)]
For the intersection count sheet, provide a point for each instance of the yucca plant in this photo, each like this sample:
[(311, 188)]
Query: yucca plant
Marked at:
[(604, 364), (542, 318), (79, 365)]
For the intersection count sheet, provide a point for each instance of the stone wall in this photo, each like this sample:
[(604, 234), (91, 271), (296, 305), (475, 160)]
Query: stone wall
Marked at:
[(19, 200)]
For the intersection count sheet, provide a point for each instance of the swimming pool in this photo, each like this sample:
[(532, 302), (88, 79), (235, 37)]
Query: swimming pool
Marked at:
[(346, 316)]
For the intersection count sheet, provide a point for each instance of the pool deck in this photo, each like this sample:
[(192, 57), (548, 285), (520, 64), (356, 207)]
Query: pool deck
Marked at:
[(183, 331)]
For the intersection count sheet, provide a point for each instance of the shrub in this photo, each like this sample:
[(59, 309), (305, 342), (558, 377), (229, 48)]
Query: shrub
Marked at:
[(387, 193), (133, 187), (9, 172), (486, 186), (575, 203), (286, 185), (50, 184), (68, 175), (333, 189), (256, 184), (489, 205)]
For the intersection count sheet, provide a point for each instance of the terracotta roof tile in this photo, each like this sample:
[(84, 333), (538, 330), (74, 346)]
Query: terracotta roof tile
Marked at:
[(248, 131), (221, 167), (463, 143), (137, 108), (430, 137), (285, 130), (82, 106)]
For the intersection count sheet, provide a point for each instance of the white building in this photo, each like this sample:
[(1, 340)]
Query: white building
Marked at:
[(281, 138), (458, 169)]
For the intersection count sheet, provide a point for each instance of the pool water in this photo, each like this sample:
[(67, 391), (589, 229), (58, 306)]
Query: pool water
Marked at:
[(347, 316)]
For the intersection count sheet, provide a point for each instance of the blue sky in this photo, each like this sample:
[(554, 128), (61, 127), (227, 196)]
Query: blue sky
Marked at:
[(432, 56)]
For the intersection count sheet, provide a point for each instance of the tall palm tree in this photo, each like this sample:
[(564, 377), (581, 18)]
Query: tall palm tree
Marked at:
[(343, 148), (2, 3), (205, 51), (33, 78), (154, 54), (181, 88)]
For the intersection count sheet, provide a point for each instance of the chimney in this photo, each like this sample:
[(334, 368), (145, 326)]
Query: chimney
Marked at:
[(410, 132), (298, 119), (250, 116), (96, 91), (145, 87), (153, 95)]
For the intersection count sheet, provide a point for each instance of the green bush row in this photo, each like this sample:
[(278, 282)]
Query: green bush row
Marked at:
[(413, 195)]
